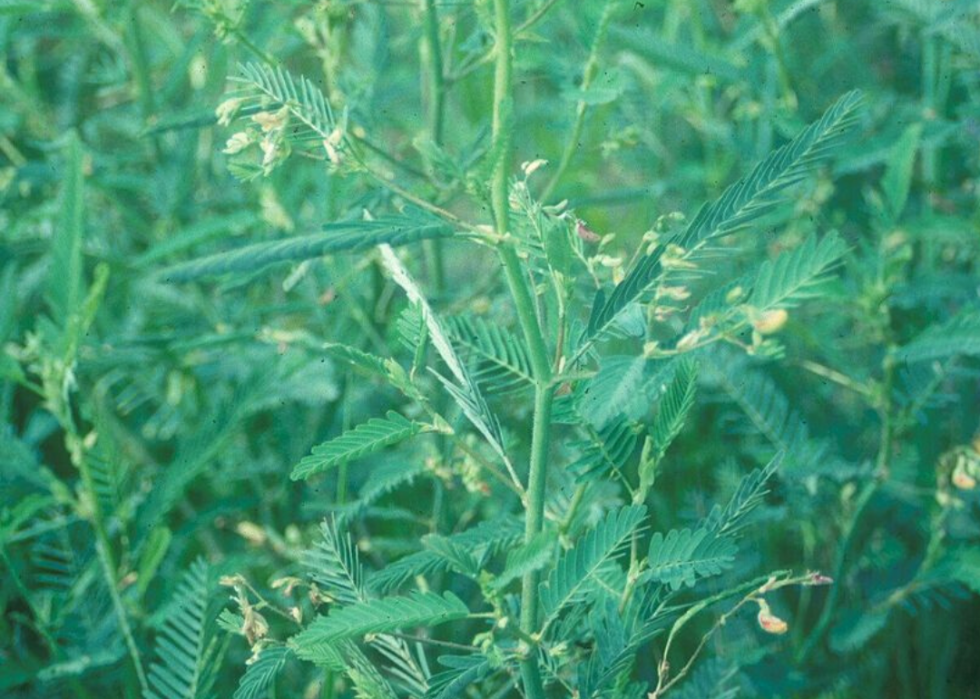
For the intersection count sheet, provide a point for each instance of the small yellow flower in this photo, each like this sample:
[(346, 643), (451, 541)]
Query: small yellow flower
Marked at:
[(690, 341), (770, 322), (734, 295), (271, 121), (270, 151), (769, 622), (676, 293), (530, 167), (237, 143), (251, 532), (331, 144), (227, 110), (962, 478)]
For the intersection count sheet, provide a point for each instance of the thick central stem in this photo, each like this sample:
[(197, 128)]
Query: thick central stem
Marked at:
[(531, 327)]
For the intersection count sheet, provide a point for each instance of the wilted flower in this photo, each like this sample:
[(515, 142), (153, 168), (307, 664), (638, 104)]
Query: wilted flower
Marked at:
[(316, 597), (255, 626), (288, 584)]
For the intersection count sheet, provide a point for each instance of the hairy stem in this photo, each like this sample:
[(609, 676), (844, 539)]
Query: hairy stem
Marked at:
[(531, 326), (487, 55)]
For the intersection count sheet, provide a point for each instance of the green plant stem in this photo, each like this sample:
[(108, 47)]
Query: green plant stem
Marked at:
[(930, 59), (434, 91), (588, 75), (263, 56), (577, 497), (487, 55), (774, 582), (433, 87), (524, 303), (864, 497), (104, 552)]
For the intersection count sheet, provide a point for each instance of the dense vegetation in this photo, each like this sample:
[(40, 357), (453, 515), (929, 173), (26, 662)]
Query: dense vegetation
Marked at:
[(495, 348)]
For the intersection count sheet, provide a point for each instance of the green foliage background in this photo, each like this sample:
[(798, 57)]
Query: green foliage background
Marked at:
[(232, 427)]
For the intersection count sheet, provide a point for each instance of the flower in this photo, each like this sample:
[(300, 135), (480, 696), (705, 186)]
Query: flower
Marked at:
[(227, 110), (331, 143), (676, 293), (769, 322), (254, 625), (734, 295), (271, 121), (690, 340), (819, 579), (530, 167), (288, 584), (585, 233), (237, 143), (251, 532), (769, 622), (962, 478)]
